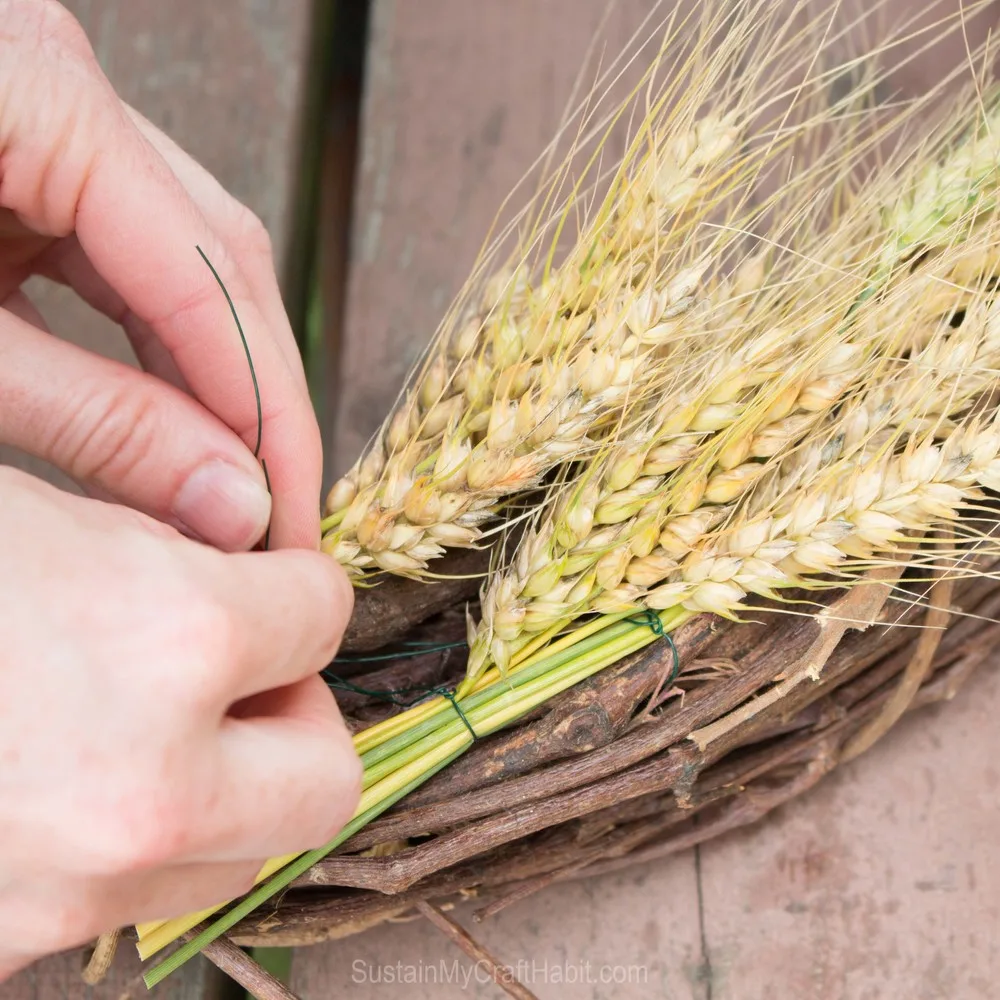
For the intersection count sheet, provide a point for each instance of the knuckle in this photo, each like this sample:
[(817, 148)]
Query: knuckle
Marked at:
[(252, 234), (48, 24), (107, 433), (54, 100), (149, 833), (334, 600), (217, 646), (57, 26), (202, 299), (242, 881)]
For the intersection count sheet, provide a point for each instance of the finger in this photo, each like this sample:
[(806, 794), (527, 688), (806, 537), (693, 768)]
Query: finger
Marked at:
[(287, 612), (66, 263), (12, 961), (73, 161), (242, 232), (174, 891), (129, 435), (294, 778), (23, 308)]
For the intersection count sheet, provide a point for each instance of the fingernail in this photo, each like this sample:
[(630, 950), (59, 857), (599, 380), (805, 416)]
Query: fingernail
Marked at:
[(223, 505)]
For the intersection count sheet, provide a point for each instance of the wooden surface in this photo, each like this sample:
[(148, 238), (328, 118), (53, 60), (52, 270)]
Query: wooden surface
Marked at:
[(883, 883), (58, 978), (460, 99), (223, 79)]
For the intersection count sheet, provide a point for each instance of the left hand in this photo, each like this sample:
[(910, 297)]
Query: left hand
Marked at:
[(95, 197)]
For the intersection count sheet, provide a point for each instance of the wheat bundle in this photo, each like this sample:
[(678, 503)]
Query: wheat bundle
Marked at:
[(713, 450)]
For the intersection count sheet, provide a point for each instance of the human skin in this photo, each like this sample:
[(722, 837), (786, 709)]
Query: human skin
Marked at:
[(163, 728)]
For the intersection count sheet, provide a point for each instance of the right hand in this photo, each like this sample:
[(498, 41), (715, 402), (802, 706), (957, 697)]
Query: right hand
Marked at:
[(163, 729)]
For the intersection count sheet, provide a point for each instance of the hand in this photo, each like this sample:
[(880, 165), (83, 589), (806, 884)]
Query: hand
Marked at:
[(94, 196), (162, 727)]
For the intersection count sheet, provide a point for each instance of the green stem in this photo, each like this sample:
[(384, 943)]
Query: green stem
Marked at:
[(495, 701), (516, 679)]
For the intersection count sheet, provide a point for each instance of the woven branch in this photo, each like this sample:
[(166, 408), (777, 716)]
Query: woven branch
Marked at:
[(597, 781)]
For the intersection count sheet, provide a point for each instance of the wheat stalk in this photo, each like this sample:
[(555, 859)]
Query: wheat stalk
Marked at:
[(610, 542), (531, 375), (894, 459), (534, 374)]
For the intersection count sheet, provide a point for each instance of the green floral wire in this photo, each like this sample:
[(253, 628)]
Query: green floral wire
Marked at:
[(253, 377)]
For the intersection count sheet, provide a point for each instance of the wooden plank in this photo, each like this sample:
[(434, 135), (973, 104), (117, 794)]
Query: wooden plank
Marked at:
[(460, 99), (883, 882), (58, 978), (631, 935), (224, 80)]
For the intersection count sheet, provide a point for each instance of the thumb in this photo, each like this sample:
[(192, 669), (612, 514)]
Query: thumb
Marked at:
[(128, 435)]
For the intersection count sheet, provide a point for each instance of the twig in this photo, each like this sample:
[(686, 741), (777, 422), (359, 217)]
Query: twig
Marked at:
[(626, 841), (859, 608), (516, 843), (591, 715), (101, 958), (502, 975), (915, 673), (743, 810), (796, 636), (756, 774), (238, 965)]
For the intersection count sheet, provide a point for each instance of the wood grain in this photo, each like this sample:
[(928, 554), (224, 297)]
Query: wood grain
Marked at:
[(460, 100), (58, 978)]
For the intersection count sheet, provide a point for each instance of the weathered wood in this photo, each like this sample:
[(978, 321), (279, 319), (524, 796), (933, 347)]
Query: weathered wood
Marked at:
[(223, 80), (502, 975), (460, 100)]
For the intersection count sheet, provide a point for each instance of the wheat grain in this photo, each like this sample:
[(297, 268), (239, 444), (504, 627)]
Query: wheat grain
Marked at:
[(534, 376), (705, 454)]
